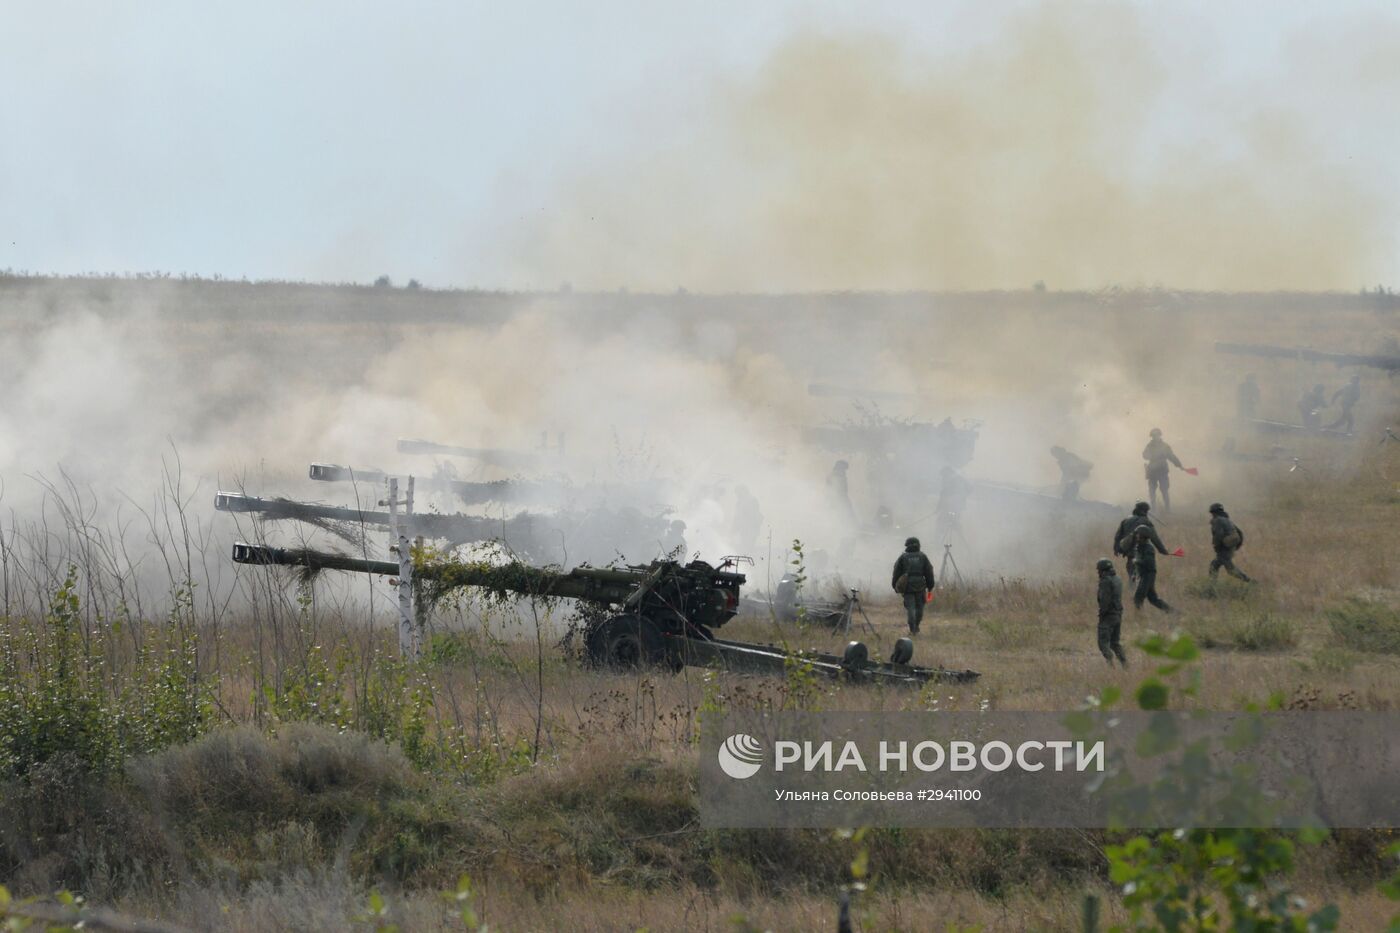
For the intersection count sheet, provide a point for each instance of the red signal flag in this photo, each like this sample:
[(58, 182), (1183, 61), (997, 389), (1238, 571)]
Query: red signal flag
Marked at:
[(1193, 471), (1179, 552), (928, 596)]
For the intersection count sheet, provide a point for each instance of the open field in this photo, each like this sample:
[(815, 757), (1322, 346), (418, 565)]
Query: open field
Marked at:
[(232, 750)]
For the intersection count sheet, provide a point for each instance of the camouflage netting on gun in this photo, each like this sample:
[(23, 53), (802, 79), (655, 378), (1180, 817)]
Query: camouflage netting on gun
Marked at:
[(351, 532), (444, 577)]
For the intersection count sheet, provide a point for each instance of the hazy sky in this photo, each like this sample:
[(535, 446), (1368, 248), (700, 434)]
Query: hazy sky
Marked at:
[(336, 141)]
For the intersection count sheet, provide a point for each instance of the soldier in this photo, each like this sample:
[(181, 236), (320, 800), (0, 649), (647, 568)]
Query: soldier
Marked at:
[(1247, 398), (1110, 613), (674, 542), (1146, 545), (1074, 470), (1227, 538), (839, 491), (1122, 538), (1311, 405), (1158, 454), (1350, 394), (913, 577)]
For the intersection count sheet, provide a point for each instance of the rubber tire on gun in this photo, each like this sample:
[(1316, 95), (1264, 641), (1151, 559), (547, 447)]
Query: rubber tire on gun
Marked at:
[(628, 642)]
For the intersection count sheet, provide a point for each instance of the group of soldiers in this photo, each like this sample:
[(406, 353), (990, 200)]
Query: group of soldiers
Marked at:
[(1309, 406), (1137, 540)]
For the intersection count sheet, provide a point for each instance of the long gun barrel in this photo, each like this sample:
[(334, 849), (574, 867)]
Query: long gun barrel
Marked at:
[(315, 560), (456, 528), (1388, 362), (470, 493), (493, 455)]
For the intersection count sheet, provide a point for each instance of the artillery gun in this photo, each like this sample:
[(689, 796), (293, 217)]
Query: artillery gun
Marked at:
[(661, 614), (1390, 362), (593, 534), (921, 446)]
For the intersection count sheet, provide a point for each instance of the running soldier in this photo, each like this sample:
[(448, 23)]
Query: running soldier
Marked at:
[(1226, 538), (1146, 546), (1122, 538), (1349, 394)]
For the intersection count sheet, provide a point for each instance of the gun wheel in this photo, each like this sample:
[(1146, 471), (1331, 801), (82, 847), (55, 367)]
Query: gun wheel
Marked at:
[(626, 643)]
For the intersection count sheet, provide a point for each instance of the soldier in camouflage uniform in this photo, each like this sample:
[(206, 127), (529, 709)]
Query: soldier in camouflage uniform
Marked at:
[(1146, 546), (1349, 395), (1110, 614), (913, 577), (1122, 540), (1074, 471), (1226, 538), (1159, 455)]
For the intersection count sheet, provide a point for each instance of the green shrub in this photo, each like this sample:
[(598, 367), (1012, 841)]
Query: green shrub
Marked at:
[(59, 693), (1366, 625)]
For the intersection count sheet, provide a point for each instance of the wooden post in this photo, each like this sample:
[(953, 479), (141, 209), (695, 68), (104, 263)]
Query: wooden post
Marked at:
[(398, 535), (420, 609)]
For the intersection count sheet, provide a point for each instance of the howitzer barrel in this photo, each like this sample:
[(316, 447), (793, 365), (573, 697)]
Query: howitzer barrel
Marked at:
[(1388, 362), (500, 490), (316, 560), (489, 454), (460, 528), (334, 473), (285, 508)]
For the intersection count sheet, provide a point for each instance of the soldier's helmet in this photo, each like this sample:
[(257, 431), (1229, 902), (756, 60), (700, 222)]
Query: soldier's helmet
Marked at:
[(911, 544), (1104, 564), (841, 465), (1141, 508), (1155, 432), (1142, 531), (1216, 507)]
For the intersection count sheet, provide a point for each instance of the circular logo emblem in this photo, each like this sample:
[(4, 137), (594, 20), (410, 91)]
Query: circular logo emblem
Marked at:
[(741, 756)]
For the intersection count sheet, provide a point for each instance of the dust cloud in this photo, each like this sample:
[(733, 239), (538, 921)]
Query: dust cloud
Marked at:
[(1050, 153)]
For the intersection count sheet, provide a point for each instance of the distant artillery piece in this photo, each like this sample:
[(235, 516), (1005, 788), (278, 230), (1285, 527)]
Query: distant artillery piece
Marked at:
[(1390, 362), (903, 458), (1041, 502), (1265, 426), (491, 456), (661, 614)]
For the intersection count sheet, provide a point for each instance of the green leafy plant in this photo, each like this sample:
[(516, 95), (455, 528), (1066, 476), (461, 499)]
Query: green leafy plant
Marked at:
[(1203, 879)]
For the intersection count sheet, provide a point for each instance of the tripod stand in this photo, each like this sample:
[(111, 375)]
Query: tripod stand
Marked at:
[(848, 612), (949, 562)]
